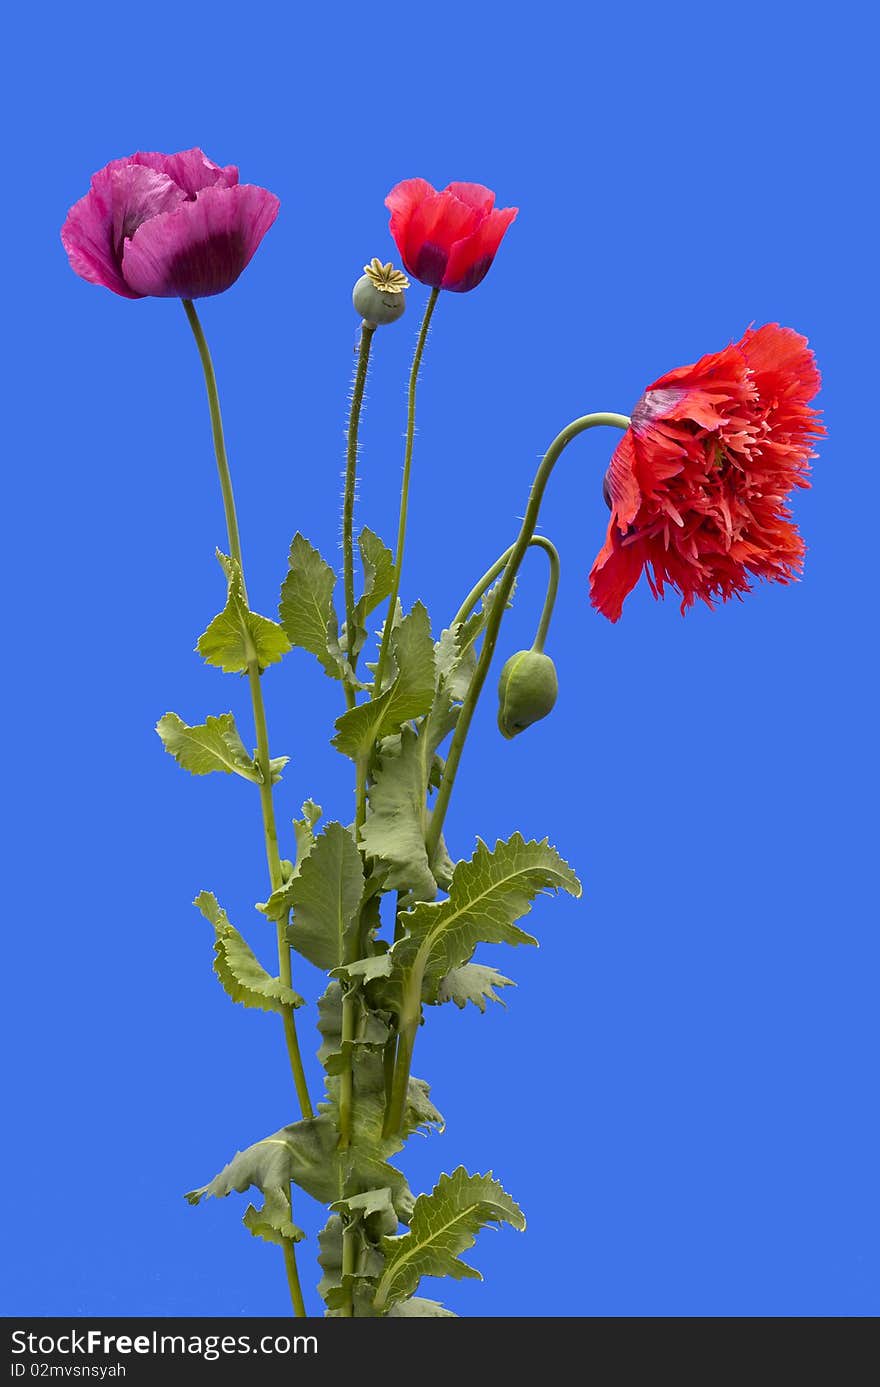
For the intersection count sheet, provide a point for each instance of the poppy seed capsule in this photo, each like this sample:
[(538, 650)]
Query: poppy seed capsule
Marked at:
[(377, 306), (527, 691)]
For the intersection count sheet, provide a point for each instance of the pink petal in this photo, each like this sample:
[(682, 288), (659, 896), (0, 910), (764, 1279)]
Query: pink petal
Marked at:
[(137, 194), (121, 196), (202, 247), (402, 202), (191, 170), (470, 258), (474, 194)]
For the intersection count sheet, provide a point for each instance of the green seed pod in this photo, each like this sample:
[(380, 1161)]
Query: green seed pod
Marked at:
[(527, 691), (378, 295)]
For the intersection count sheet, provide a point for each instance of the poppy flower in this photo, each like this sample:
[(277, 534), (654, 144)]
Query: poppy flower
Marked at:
[(449, 239), (699, 483), (167, 225)]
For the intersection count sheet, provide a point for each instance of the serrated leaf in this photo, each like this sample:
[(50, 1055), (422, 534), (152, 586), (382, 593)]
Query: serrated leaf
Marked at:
[(409, 696), (364, 1205), (417, 1306), (394, 832), (487, 895), (472, 982), (213, 745), (243, 977), (378, 562), (325, 897), (273, 1221), (237, 635), (306, 607), (443, 1224)]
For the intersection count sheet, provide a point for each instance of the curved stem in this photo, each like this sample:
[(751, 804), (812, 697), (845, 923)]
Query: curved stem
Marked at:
[(404, 489), (354, 419), (527, 530), (488, 578), (270, 833)]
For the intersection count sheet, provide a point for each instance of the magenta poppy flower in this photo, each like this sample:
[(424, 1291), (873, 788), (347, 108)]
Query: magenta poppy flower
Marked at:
[(449, 239), (173, 226)]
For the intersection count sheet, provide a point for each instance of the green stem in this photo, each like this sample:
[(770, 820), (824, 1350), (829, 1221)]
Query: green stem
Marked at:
[(349, 1264), (270, 833), (404, 490), (527, 530), (400, 1082), (346, 1078), (488, 578), (296, 1295), (354, 419)]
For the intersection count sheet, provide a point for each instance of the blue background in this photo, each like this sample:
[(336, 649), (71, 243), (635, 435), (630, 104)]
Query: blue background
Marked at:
[(682, 1092)]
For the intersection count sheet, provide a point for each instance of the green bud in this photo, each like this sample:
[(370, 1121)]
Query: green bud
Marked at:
[(378, 295), (527, 691)]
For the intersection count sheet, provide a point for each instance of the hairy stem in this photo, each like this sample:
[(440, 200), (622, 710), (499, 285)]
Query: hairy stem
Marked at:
[(404, 490), (354, 419), (270, 832), (527, 530)]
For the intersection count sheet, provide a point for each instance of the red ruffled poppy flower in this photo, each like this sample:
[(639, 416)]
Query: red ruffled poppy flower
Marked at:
[(449, 239), (699, 484), (167, 225)]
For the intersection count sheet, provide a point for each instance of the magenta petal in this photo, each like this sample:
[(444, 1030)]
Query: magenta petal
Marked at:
[(138, 194), (87, 236), (202, 247), (191, 170)]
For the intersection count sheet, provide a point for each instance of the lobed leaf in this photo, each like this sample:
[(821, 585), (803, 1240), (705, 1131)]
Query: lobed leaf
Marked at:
[(273, 1221), (418, 1306), (243, 977), (306, 607), (213, 745), (472, 982), (487, 895), (443, 1224), (378, 563), (237, 635), (408, 696)]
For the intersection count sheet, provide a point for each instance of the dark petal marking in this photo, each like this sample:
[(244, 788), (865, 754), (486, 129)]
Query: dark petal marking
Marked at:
[(430, 265)]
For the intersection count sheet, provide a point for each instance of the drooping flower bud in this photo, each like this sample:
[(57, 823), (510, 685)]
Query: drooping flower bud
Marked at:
[(378, 295), (527, 691)]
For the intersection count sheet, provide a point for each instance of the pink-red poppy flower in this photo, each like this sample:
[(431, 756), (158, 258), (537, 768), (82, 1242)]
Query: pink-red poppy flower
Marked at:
[(167, 225), (449, 239), (699, 483)]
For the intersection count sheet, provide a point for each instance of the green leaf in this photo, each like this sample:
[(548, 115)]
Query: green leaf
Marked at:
[(371, 1029), (273, 1222), (243, 977), (487, 895), (238, 635), (408, 696), (304, 1152), (472, 982), (280, 903), (325, 896), (213, 745), (378, 562), (394, 831), (443, 1224), (418, 1306), (306, 608)]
